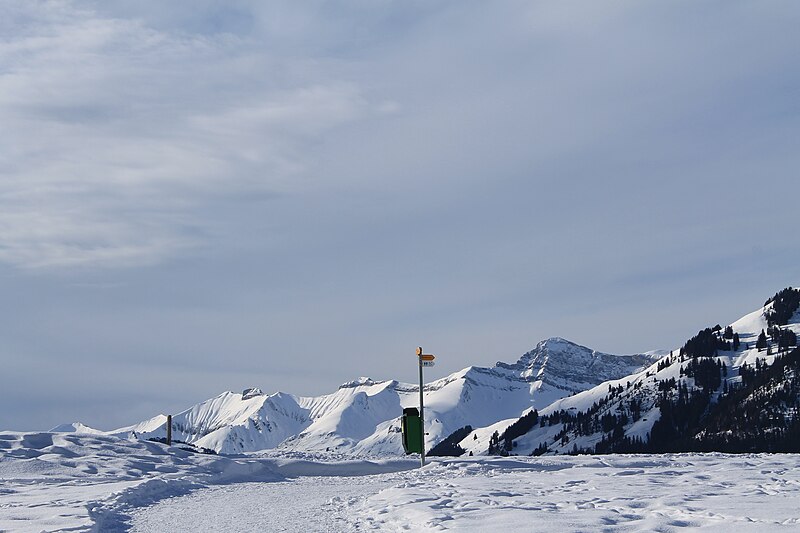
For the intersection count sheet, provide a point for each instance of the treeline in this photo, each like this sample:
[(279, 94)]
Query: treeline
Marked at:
[(758, 413), (503, 444), (707, 373), (784, 305), (591, 421), (708, 342), (450, 447)]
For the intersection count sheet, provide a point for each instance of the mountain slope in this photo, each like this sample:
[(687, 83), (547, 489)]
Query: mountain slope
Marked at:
[(728, 389)]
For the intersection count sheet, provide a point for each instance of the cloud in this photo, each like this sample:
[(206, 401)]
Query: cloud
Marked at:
[(118, 135)]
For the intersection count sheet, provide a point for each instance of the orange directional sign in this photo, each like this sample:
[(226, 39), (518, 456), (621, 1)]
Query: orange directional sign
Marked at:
[(427, 357)]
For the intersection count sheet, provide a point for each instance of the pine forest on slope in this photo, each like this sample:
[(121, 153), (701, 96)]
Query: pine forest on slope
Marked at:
[(732, 389)]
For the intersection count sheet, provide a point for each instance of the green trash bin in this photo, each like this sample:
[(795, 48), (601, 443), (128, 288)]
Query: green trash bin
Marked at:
[(411, 427)]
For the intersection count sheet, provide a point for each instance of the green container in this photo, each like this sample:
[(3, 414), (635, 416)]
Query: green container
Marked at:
[(411, 426)]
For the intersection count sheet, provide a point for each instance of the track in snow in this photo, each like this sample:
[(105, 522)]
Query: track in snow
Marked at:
[(305, 504)]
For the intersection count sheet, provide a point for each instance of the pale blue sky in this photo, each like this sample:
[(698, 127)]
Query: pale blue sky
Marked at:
[(207, 196)]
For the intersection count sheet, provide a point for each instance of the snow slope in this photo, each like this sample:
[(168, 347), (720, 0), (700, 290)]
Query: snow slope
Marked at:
[(641, 386), (363, 416)]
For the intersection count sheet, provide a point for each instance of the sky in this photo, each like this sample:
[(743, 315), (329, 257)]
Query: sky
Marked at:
[(206, 195)]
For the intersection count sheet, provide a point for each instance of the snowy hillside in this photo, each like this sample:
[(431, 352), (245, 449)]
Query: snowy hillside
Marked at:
[(688, 400), (362, 416)]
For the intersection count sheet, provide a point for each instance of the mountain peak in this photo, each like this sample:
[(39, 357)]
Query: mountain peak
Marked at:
[(556, 346), (567, 365), (252, 392), (363, 381)]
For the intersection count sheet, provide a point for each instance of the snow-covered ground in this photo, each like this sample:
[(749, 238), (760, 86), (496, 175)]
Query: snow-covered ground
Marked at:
[(68, 481), (592, 493), (623, 493), (52, 482)]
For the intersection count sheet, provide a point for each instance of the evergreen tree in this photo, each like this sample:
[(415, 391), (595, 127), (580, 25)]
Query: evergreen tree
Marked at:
[(761, 343), (449, 447), (494, 440), (784, 304)]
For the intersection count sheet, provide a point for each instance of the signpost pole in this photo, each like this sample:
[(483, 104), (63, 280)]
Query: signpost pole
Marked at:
[(423, 359), (421, 409)]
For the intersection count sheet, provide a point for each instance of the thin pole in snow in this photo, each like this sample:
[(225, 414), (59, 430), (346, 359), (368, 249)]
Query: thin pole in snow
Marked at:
[(421, 409), (169, 430)]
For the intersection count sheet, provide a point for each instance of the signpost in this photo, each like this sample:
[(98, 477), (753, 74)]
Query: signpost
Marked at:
[(425, 359)]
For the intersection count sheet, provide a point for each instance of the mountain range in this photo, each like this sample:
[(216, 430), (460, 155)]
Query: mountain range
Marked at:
[(558, 398), (362, 417)]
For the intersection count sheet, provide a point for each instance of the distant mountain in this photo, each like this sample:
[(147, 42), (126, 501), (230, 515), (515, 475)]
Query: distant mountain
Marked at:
[(76, 427), (562, 366), (363, 416), (732, 389)]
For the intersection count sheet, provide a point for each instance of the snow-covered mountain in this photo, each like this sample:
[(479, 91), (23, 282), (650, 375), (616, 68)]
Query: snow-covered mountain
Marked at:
[(557, 366), (721, 391), (363, 416)]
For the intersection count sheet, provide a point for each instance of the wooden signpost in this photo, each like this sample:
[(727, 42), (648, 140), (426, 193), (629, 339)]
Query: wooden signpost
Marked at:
[(425, 359)]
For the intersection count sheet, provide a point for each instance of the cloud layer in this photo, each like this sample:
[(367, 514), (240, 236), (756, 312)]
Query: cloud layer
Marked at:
[(117, 133)]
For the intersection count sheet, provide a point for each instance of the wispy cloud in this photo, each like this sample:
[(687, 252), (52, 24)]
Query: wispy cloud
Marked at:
[(116, 135)]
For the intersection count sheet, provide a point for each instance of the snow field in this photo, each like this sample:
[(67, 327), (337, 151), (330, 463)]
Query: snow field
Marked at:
[(665, 493), (592, 493)]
